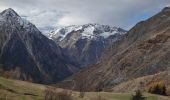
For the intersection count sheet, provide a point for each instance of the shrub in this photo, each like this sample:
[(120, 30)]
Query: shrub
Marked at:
[(138, 96), (51, 94), (157, 88)]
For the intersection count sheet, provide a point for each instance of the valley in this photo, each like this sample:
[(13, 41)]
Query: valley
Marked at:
[(84, 62)]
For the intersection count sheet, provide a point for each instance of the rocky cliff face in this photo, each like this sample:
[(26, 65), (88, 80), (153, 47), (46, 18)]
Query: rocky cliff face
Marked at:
[(144, 50), (86, 43), (25, 49)]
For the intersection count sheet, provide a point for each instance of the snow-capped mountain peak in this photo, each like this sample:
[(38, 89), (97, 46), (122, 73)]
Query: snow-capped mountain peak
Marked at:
[(86, 43), (9, 15), (23, 47), (88, 31), (9, 12)]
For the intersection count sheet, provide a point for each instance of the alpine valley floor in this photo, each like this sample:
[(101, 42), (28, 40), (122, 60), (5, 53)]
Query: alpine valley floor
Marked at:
[(20, 90)]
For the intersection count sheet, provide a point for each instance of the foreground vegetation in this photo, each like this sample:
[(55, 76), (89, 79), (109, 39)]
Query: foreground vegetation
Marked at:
[(19, 90)]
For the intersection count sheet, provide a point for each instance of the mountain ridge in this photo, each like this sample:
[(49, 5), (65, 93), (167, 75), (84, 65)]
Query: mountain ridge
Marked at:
[(23, 47), (86, 43), (141, 51)]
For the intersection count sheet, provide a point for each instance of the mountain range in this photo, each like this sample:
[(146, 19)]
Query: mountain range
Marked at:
[(28, 55), (142, 51), (86, 43), (101, 57)]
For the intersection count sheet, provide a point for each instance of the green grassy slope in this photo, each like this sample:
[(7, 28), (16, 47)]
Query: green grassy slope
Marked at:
[(19, 90)]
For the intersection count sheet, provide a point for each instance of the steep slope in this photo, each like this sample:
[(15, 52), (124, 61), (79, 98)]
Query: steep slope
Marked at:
[(143, 83), (25, 50), (144, 50), (86, 43)]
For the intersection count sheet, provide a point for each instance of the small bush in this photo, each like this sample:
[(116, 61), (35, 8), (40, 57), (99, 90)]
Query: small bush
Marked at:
[(51, 94), (157, 88), (138, 96)]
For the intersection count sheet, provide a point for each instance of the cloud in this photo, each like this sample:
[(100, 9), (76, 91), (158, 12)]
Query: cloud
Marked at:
[(46, 18), (50, 13)]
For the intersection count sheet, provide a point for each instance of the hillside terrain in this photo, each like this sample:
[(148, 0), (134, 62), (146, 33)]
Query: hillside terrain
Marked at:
[(20, 90), (143, 83), (144, 50)]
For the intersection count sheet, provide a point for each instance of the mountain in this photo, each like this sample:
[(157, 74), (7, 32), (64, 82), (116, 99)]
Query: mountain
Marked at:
[(86, 43), (25, 51), (144, 50)]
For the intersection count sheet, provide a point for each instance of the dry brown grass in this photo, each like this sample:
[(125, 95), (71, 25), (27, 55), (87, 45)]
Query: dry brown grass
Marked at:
[(168, 91)]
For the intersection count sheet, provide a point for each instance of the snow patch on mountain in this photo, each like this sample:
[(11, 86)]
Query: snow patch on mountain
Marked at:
[(23, 22), (87, 31), (9, 14), (62, 32), (107, 34)]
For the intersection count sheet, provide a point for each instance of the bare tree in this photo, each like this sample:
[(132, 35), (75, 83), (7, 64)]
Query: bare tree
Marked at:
[(80, 83), (52, 94)]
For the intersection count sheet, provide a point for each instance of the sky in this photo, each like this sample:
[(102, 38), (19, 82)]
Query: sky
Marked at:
[(47, 14)]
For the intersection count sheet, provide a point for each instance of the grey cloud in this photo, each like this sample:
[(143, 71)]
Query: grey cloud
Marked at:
[(122, 13)]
